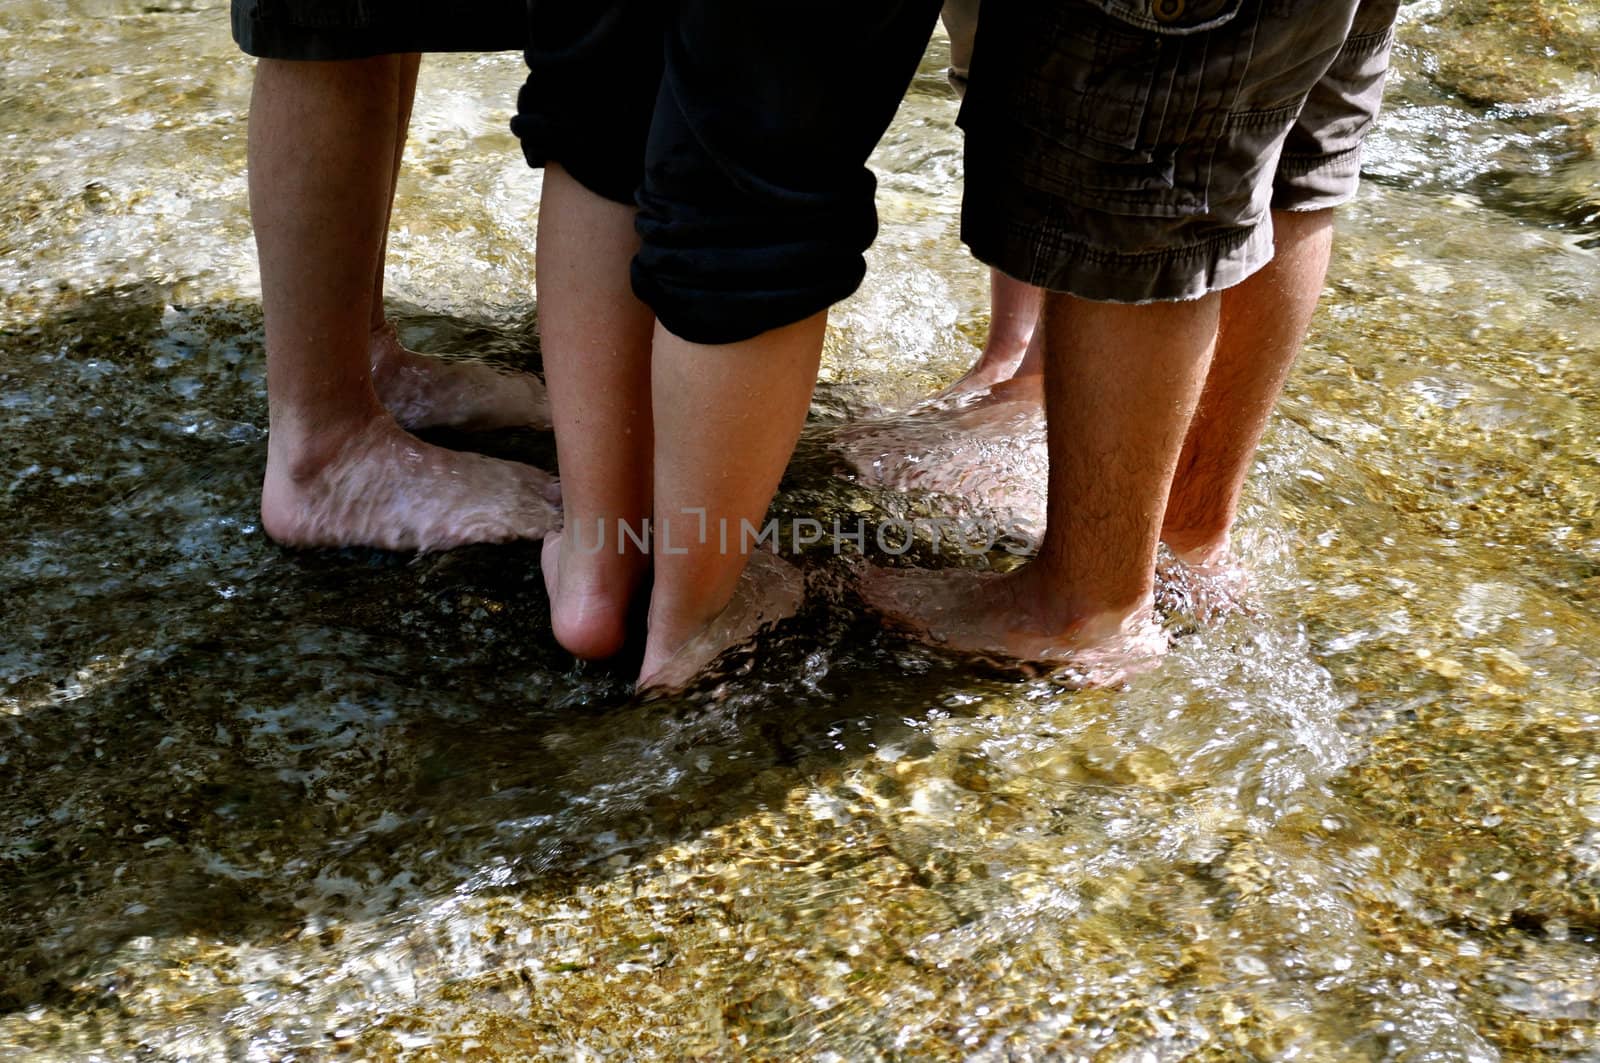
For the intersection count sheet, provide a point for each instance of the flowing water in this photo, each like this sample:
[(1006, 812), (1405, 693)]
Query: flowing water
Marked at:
[(261, 805)]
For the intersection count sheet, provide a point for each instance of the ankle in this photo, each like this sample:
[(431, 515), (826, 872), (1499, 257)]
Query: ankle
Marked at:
[(301, 450), (668, 634), (1197, 548), (1056, 609), (1002, 354), (385, 352), (674, 621)]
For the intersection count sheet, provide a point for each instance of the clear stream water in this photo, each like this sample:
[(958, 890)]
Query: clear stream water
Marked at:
[(260, 805)]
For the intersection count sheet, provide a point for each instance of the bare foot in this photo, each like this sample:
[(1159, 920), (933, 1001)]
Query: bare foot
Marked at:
[(770, 589), (1010, 347), (591, 593), (422, 391), (984, 374), (1207, 586), (988, 448), (385, 488), (1001, 617)]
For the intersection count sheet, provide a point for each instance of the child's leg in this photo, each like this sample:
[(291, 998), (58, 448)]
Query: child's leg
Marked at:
[(584, 116), (339, 470), (596, 340), (1013, 306), (1013, 318), (727, 418), (755, 209)]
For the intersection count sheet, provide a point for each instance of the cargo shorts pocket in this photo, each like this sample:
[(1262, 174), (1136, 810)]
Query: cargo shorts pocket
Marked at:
[(1110, 91), (1172, 18)]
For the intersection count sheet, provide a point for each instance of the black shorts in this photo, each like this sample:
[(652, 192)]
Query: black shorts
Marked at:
[(359, 29), (739, 128)]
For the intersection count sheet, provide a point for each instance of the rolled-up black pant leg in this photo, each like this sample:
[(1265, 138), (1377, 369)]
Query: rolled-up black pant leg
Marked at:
[(594, 68), (756, 204)]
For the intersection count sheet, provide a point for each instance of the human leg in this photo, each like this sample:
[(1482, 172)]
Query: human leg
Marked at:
[(1013, 306), (1264, 319), (755, 210), (1013, 318), (960, 18), (409, 65), (1121, 384), (1109, 234), (727, 418), (1263, 322), (339, 470), (594, 66), (423, 391), (596, 337)]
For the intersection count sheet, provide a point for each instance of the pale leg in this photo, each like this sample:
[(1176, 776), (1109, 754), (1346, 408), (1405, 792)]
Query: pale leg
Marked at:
[(596, 338), (727, 418)]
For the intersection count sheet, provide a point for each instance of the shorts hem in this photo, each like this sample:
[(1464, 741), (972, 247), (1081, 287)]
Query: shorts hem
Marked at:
[(718, 320), (1101, 275), (596, 177), (1309, 183), (265, 39)]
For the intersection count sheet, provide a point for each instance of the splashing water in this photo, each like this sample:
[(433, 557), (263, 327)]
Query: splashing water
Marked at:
[(261, 804)]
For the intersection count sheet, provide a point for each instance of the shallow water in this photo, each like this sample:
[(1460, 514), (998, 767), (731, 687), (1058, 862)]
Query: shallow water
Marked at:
[(264, 805)]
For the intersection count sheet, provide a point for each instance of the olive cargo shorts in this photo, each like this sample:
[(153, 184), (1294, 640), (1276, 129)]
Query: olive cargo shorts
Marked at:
[(1132, 151)]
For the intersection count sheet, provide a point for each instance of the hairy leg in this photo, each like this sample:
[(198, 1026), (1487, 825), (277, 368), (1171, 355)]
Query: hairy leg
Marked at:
[(339, 470), (1263, 323), (1121, 384), (727, 418), (596, 337)]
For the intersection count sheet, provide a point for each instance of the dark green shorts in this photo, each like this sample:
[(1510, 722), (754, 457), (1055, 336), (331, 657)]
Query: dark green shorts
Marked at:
[(358, 29)]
